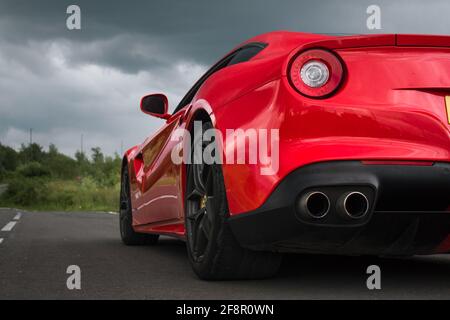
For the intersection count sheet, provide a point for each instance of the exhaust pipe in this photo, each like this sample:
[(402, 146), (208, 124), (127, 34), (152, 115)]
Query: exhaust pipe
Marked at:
[(353, 205), (314, 204)]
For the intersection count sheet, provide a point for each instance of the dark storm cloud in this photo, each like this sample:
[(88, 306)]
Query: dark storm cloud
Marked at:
[(63, 83), (203, 30)]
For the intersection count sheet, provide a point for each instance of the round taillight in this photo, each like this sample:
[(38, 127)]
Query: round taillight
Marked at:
[(316, 73)]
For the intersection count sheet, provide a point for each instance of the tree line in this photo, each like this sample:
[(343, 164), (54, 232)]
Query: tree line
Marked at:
[(39, 178)]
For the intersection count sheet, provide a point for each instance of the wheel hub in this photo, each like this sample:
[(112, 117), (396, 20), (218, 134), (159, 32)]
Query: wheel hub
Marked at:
[(203, 201)]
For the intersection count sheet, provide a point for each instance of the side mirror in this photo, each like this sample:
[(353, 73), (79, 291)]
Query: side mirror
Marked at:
[(155, 105)]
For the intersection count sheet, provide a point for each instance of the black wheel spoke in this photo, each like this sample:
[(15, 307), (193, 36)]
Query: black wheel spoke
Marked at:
[(209, 182), (122, 214), (195, 194), (197, 174), (124, 199), (197, 215), (210, 208), (124, 187), (200, 241), (205, 226)]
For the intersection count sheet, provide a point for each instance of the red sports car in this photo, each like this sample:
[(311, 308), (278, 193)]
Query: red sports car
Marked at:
[(320, 144)]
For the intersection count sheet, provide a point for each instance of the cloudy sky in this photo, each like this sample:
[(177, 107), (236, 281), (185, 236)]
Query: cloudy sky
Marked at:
[(64, 84)]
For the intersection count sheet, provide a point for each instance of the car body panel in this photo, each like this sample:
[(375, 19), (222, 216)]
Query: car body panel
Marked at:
[(155, 179)]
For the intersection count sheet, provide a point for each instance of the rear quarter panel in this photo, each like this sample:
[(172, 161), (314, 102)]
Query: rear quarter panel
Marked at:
[(390, 107)]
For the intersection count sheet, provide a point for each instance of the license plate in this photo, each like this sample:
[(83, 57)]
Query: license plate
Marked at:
[(447, 106)]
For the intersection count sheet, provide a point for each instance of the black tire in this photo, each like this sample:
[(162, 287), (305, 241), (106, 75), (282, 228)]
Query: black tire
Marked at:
[(213, 251), (127, 233)]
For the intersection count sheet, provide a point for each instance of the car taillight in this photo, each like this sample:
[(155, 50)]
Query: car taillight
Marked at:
[(316, 73)]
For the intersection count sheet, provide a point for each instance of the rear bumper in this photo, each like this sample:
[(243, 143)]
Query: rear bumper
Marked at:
[(408, 211)]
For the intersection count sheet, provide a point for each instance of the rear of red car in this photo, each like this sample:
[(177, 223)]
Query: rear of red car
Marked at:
[(364, 159)]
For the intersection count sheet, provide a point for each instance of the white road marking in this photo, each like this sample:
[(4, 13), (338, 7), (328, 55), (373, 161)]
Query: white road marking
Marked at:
[(1, 240), (18, 216), (9, 226)]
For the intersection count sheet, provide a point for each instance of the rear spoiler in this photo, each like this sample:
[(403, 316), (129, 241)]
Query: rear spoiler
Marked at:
[(377, 40), (422, 40)]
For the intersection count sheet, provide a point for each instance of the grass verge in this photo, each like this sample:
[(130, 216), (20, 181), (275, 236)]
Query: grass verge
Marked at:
[(60, 195)]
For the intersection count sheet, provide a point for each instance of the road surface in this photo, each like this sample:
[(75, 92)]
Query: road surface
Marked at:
[(37, 248)]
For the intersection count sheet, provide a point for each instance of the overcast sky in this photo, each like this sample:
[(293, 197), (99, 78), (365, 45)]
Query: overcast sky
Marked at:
[(66, 83)]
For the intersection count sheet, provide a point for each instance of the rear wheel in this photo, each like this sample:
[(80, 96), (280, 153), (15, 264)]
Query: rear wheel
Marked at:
[(127, 233), (213, 251)]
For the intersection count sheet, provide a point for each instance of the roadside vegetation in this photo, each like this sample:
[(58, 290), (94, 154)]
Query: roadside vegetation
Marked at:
[(37, 179)]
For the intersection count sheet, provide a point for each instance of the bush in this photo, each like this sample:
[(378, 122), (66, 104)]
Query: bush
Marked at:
[(33, 169), (25, 192), (2, 173), (8, 158), (62, 167), (49, 180)]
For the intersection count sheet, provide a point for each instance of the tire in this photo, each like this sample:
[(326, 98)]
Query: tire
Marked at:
[(127, 233), (213, 251)]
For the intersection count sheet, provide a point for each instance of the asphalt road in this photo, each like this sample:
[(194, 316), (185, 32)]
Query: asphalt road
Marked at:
[(36, 252)]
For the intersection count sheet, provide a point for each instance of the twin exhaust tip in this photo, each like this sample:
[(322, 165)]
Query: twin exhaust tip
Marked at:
[(315, 204), (350, 205), (353, 205)]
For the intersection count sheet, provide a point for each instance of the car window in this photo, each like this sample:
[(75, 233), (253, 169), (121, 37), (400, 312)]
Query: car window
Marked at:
[(242, 54)]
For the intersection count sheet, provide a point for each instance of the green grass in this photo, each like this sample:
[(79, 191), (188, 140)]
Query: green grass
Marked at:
[(60, 195)]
